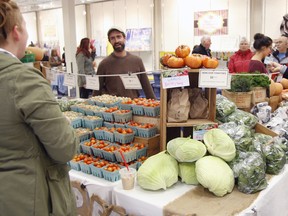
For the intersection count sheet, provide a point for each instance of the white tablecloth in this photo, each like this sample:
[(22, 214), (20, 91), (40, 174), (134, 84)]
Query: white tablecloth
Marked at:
[(271, 202)]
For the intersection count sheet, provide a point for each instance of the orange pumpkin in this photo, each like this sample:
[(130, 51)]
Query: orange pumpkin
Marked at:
[(272, 88), (164, 59), (182, 51), (38, 52), (210, 62), (278, 88), (175, 62), (284, 83), (193, 61)]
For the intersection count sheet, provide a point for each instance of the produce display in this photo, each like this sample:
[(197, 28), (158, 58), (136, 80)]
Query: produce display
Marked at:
[(183, 58)]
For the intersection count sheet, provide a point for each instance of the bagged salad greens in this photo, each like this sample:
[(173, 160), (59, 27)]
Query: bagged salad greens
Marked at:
[(224, 107)]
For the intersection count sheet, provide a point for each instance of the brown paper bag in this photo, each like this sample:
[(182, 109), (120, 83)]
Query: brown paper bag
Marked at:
[(199, 104), (178, 106)]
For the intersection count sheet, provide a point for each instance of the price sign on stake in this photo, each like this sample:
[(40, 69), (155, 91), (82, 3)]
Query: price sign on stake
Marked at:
[(50, 75), (92, 82), (214, 78), (69, 80), (176, 81), (131, 81)]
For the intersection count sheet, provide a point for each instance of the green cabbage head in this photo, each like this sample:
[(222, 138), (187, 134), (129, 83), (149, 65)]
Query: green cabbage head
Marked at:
[(215, 174), (186, 149), (157, 172), (187, 173), (219, 144)]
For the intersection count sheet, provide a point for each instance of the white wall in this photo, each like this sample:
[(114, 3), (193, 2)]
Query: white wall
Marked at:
[(30, 19)]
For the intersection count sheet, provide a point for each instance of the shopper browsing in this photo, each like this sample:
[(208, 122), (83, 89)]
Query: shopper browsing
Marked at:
[(121, 62), (263, 47), (36, 139), (85, 56), (204, 47), (239, 61), (55, 59)]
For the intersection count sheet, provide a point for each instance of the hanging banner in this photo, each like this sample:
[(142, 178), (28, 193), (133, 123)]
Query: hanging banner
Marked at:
[(131, 81), (92, 82), (214, 78), (175, 78), (69, 80)]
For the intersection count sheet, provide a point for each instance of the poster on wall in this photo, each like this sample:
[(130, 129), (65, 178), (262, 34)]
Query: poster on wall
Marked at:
[(211, 22), (139, 39)]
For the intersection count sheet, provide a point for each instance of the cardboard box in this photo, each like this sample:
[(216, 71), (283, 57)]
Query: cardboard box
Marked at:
[(152, 142)]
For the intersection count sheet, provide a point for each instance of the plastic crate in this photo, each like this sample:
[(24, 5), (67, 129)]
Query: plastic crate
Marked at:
[(96, 171), (110, 156), (151, 111), (109, 136), (98, 134), (108, 116), (122, 117), (75, 165), (76, 123), (129, 156), (92, 124), (147, 132), (137, 110), (85, 167), (84, 148), (123, 138), (111, 176)]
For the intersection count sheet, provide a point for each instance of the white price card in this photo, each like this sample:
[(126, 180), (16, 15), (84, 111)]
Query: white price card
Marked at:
[(175, 81), (50, 75), (214, 78), (131, 81), (69, 80), (92, 82)]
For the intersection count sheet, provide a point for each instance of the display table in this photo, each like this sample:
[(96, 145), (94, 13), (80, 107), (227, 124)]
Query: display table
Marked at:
[(182, 199)]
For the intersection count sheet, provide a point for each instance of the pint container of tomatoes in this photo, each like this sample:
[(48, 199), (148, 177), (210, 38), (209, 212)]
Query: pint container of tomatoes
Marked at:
[(111, 172), (122, 116), (123, 135), (97, 168), (97, 148), (141, 149), (127, 151), (108, 114), (108, 152), (147, 130)]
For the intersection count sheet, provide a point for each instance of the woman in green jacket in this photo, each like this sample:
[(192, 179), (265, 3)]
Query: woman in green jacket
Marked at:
[(36, 140)]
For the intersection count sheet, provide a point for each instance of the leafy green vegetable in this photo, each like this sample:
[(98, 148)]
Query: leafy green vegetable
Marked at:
[(187, 173), (241, 117), (249, 171), (219, 144), (215, 174), (186, 149), (275, 158), (224, 107), (260, 80), (241, 83), (158, 172)]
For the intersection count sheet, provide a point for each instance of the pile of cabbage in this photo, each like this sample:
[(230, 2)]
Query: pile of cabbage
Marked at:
[(195, 162)]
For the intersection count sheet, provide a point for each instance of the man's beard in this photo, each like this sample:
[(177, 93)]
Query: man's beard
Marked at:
[(119, 48)]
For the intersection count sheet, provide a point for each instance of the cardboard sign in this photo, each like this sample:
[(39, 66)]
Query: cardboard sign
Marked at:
[(131, 81), (175, 78), (92, 82), (214, 78), (69, 80)]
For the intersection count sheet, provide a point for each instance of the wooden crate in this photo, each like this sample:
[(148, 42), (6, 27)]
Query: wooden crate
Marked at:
[(241, 99), (152, 142)]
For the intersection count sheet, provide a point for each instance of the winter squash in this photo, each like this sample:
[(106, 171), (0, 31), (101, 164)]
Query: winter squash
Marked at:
[(284, 83), (210, 62), (193, 61), (175, 62), (272, 88), (278, 88), (182, 51), (164, 59)]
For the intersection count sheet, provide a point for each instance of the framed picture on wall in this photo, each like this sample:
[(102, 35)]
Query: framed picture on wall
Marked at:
[(139, 39)]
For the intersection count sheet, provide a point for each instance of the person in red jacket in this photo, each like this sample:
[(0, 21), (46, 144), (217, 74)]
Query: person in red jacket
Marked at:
[(239, 61)]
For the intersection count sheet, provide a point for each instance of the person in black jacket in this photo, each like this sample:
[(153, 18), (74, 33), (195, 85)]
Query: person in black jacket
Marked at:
[(204, 47)]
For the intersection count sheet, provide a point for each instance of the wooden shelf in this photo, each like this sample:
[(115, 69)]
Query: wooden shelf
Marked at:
[(210, 94), (190, 123)]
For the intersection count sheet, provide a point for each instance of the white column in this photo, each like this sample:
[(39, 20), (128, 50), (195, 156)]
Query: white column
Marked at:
[(69, 25)]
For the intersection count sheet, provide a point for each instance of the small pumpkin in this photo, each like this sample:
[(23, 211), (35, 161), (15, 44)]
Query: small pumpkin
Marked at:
[(182, 51), (38, 52), (175, 62), (193, 61), (210, 62), (164, 59), (284, 83)]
